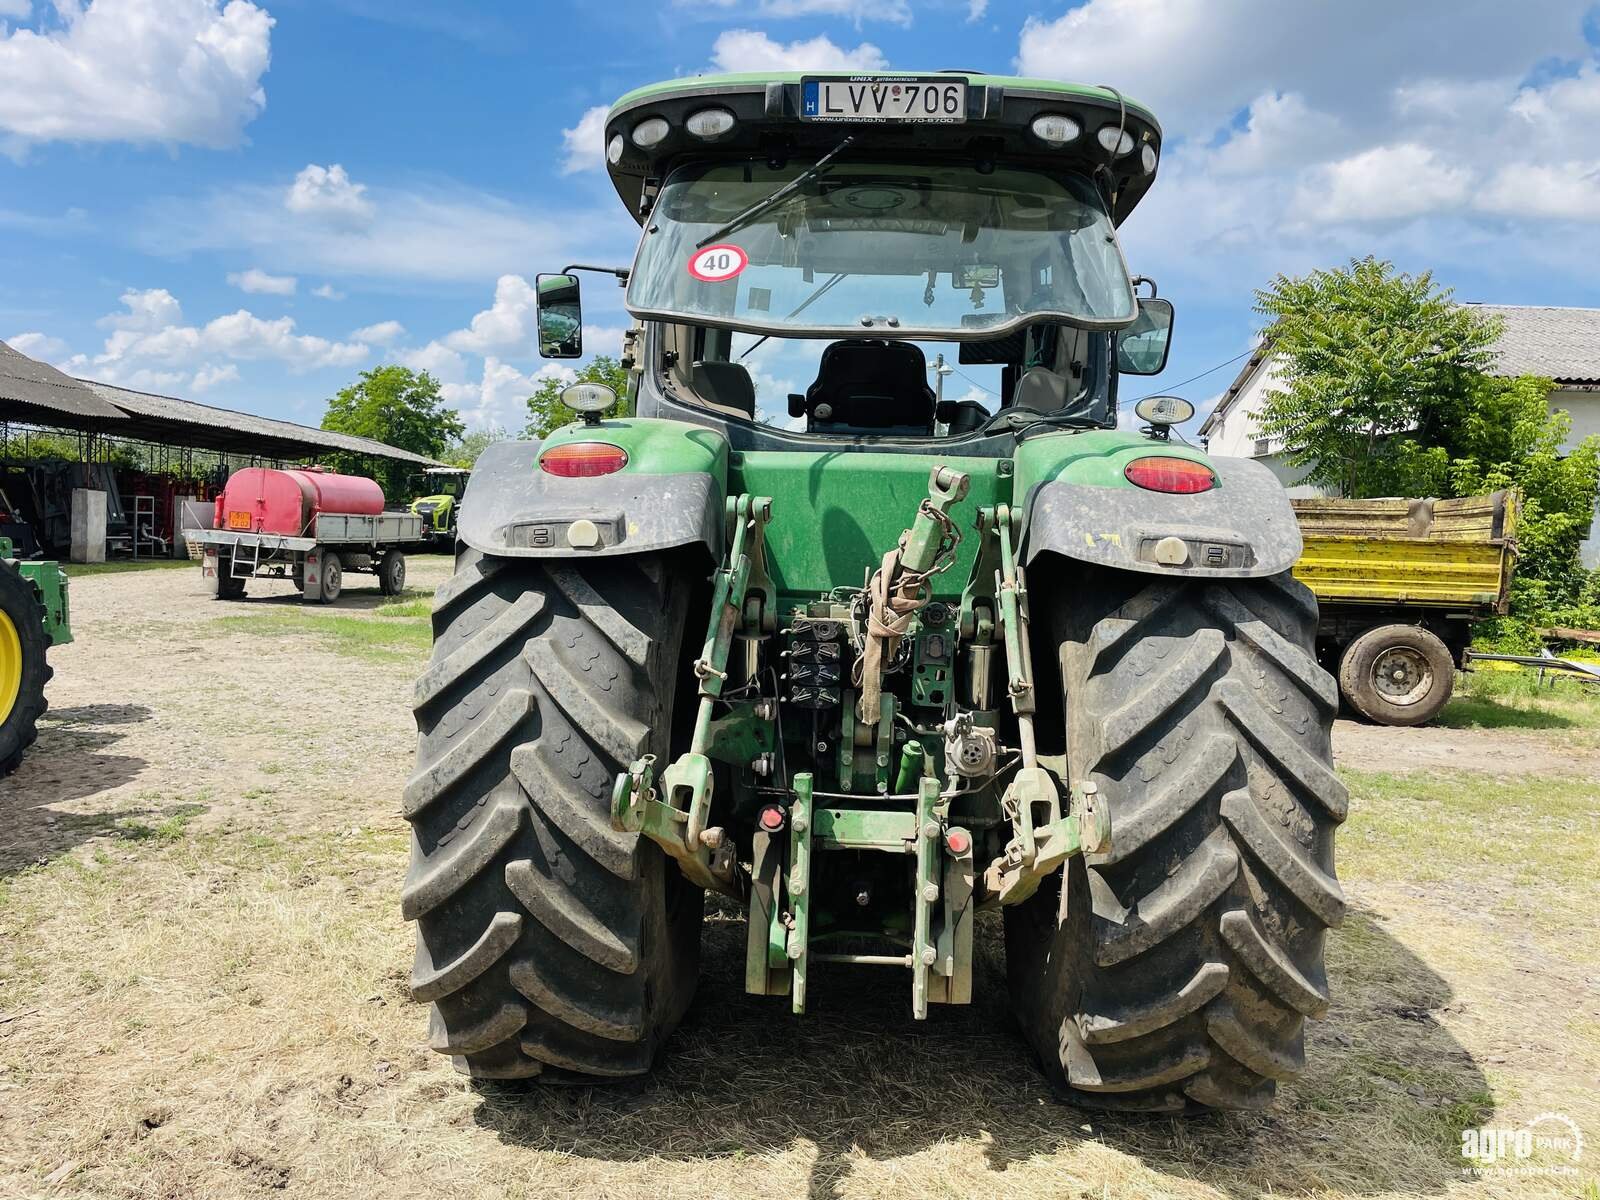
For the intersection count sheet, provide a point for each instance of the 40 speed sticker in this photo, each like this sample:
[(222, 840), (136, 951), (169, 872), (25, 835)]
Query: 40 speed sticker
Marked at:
[(715, 264)]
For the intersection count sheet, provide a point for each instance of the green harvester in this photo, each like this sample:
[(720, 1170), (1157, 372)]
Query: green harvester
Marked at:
[(33, 617), (867, 660)]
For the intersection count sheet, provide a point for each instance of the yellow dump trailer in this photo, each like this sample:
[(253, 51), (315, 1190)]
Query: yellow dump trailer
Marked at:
[(1400, 583)]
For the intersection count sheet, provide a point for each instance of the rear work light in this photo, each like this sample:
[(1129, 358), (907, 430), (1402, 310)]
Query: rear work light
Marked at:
[(1178, 475), (583, 460)]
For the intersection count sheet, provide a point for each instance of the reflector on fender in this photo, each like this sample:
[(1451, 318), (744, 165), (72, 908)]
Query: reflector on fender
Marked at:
[(1179, 475), (583, 460)]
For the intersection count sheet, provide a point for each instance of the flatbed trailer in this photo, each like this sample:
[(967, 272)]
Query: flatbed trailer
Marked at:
[(1399, 583), (317, 561)]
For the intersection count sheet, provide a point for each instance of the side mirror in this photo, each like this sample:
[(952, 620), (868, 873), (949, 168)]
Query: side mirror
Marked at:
[(1142, 347), (560, 317)]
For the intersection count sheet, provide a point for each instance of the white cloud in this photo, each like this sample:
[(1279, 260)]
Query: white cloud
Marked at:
[(384, 333), (208, 377), (148, 333), (38, 345), (16, 8), (148, 310), (507, 326), (976, 9), (584, 144), (437, 359), (1197, 64), (258, 282), (437, 232), (166, 71), (327, 291), (1385, 183), (328, 192), (897, 12), (749, 50), (603, 339), (1562, 191), (500, 397)]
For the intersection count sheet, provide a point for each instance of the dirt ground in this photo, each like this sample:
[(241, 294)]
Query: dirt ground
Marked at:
[(202, 969)]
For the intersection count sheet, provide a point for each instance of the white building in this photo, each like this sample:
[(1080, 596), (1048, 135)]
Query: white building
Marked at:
[(1562, 344)]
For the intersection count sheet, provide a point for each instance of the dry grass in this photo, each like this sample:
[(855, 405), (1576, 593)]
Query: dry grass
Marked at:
[(202, 994)]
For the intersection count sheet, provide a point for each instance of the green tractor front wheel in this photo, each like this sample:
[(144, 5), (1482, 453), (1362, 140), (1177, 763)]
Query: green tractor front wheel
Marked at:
[(1176, 971), (23, 670)]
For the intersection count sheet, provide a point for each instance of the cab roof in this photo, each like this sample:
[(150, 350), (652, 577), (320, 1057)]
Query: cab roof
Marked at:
[(767, 120)]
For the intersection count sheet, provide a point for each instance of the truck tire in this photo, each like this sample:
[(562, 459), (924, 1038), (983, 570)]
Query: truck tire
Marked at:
[(392, 573), (332, 577), (225, 586), (549, 943), (1397, 675), (1175, 971), (23, 670)]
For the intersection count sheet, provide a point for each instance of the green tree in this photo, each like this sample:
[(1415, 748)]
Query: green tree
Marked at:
[(1368, 354), (464, 450), (547, 413), (396, 406)]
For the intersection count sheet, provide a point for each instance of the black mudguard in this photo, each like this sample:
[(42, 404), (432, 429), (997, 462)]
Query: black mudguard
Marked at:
[(512, 509), (1243, 529)]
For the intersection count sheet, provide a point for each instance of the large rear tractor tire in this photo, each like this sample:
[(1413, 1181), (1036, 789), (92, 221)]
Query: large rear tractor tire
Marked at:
[(23, 670), (548, 943), (1175, 971), (1397, 675)]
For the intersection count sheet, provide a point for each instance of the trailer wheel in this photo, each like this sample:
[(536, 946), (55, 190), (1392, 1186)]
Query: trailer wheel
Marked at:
[(225, 586), (549, 943), (1175, 971), (392, 573), (23, 670), (332, 577), (1397, 674)]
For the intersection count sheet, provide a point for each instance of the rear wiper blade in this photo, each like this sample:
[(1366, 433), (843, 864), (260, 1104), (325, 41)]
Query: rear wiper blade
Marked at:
[(774, 198)]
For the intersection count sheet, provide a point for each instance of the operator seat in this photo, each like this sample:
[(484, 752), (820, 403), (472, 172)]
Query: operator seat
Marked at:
[(725, 385), (870, 385)]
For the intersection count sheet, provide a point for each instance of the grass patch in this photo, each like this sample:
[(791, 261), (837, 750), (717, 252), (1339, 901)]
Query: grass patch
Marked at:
[(355, 637), (84, 570), (421, 606), (1487, 699), (1522, 847)]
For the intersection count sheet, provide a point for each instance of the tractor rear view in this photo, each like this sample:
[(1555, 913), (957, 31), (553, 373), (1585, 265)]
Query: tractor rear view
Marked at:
[(33, 617), (885, 661)]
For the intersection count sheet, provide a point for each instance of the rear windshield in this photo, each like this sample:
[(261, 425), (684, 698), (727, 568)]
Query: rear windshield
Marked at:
[(880, 249)]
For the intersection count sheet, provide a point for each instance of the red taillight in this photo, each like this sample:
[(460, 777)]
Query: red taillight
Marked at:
[(958, 841), (583, 460), (771, 818), (1178, 475)]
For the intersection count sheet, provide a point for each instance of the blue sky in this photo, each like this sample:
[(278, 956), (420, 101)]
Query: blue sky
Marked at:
[(248, 203)]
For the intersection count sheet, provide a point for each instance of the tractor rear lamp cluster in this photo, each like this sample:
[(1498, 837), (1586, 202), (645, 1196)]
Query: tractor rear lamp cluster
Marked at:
[(1181, 476), (771, 818), (583, 460)]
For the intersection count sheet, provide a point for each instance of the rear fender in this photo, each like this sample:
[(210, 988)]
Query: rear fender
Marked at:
[(1078, 504), (671, 493)]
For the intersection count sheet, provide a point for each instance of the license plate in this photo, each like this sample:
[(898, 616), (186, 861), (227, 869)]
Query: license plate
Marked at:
[(238, 520), (939, 99)]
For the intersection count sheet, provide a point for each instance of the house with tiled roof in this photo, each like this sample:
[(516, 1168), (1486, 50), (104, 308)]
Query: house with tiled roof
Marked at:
[(1561, 344)]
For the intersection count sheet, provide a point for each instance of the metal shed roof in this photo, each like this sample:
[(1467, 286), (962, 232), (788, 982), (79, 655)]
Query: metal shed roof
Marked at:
[(34, 393), (1562, 344), (175, 422)]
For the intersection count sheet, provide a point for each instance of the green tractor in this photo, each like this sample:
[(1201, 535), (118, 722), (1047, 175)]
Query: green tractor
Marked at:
[(440, 511), (33, 617), (887, 661)]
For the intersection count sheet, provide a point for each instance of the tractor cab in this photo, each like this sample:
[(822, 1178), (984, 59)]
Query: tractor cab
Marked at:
[(825, 257)]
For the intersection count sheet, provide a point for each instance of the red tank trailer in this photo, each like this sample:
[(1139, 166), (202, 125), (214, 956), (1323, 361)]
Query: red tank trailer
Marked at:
[(308, 525), (288, 502)]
